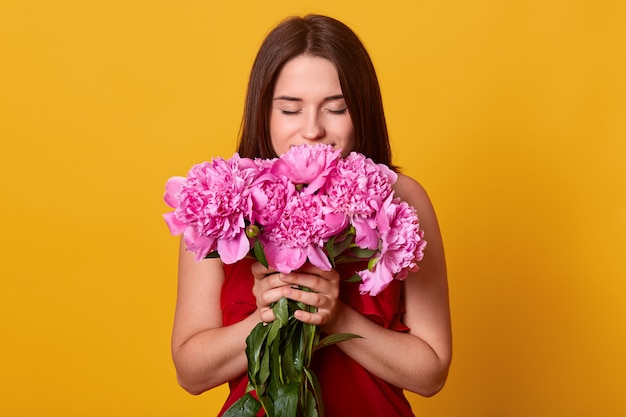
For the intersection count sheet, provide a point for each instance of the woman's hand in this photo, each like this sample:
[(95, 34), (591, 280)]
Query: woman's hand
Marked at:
[(267, 289), (323, 294), (270, 286)]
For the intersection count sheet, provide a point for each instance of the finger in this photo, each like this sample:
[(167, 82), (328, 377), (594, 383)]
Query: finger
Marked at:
[(268, 283), (308, 269), (314, 283), (269, 296), (307, 317), (314, 270), (267, 315), (258, 269), (310, 298)]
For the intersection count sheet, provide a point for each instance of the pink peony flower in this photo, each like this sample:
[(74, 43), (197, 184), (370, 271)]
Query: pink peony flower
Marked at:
[(366, 234), (270, 194), (294, 209), (300, 234), (358, 185), (401, 245), (211, 206), (351, 199), (307, 165)]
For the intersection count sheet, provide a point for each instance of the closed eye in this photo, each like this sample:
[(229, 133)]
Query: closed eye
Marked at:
[(340, 111), (289, 112)]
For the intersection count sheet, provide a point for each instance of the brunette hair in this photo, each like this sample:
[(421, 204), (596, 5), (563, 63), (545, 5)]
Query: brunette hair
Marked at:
[(323, 37)]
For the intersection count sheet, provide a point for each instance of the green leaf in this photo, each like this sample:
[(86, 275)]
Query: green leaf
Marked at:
[(246, 406), (294, 349), (330, 250), (264, 372), (311, 406), (347, 259), (255, 346), (316, 390), (290, 364), (276, 360), (354, 278), (310, 335), (281, 310), (363, 253), (274, 329), (286, 401), (268, 406), (211, 255), (278, 355), (259, 253), (335, 338), (337, 244), (342, 245), (272, 358)]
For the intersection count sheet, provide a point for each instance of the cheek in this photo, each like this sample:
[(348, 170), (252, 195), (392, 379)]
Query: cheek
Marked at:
[(278, 135), (280, 125), (348, 134)]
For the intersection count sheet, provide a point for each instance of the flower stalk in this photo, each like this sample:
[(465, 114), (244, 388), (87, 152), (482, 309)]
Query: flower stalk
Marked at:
[(279, 358)]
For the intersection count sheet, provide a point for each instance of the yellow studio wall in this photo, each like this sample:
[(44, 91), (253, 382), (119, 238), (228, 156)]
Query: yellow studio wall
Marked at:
[(510, 113)]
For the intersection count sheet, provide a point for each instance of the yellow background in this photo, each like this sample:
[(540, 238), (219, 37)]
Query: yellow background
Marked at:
[(510, 113)]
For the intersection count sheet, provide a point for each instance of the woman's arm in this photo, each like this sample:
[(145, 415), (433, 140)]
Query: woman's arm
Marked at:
[(418, 360), (205, 353)]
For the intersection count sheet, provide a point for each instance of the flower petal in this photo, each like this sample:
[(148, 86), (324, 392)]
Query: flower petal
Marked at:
[(318, 258), (199, 244), (307, 164), (172, 188), (176, 226), (375, 281), (336, 223), (366, 235), (284, 259), (234, 249)]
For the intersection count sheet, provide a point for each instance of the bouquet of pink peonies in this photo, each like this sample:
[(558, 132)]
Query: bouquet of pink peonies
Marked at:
[(307, 205)]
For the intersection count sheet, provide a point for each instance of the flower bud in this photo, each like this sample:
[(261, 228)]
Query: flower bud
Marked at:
[(372, 263), (252, 231)]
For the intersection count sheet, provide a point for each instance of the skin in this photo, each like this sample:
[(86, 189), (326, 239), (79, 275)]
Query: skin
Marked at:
[(308, 107)]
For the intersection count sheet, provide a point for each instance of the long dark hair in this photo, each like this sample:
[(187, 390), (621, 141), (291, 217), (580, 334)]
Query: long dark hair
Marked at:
[(323, 37)]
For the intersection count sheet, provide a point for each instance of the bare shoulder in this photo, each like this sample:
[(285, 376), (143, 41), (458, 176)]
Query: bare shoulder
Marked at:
[(411, 191), (415, 195)]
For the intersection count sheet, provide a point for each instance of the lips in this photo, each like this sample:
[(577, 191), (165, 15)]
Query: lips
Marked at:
[(334, 145)]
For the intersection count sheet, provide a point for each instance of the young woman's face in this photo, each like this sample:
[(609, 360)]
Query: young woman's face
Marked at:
[(309, 108)]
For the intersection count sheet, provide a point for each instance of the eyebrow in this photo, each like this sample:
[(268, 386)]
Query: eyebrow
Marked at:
[(329, 98)]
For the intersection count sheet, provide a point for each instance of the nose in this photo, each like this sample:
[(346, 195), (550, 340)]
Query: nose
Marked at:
[(312, 128)]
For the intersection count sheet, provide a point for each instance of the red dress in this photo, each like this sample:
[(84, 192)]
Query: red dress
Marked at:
[(347, 388)]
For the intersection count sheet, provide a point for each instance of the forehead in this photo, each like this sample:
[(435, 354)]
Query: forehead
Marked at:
[(308, 74)]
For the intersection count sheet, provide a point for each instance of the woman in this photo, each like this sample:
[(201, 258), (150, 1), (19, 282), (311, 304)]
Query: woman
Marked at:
[(313, 83)]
